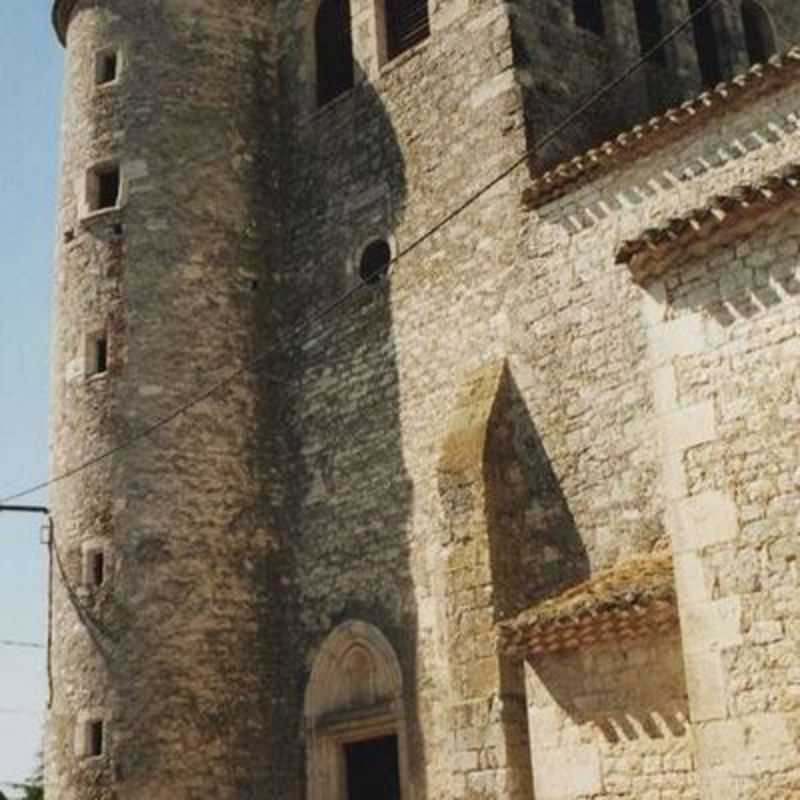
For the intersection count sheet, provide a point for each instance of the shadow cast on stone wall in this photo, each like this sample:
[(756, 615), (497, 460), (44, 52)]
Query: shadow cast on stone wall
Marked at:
[(736, 284), (616, 709), (625, 691), (347, 493), (536, 547)]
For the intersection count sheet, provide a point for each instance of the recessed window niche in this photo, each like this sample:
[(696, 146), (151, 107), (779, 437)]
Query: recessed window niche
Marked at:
[(91, 734), (96, 353), (103, 188), (375, 261), (107, 65), (94, 565)]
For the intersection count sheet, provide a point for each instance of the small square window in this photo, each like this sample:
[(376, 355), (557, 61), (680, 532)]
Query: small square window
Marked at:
[(107, 67), (97, 354), (103, 188)]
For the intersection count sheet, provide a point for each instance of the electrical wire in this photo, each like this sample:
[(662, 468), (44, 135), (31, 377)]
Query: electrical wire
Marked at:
[(26, 645), (255, 363)]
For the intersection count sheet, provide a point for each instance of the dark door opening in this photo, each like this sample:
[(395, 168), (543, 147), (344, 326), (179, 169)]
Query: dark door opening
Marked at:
[(373, 769)]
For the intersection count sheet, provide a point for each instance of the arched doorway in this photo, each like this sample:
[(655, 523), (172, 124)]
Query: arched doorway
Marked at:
[(354, 721)]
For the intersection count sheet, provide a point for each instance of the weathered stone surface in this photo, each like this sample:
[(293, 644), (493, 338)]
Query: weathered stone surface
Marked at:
[(342, 481)]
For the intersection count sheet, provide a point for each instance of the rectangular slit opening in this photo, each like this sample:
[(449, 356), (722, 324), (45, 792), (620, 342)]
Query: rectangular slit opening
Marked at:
[(101, 355), (98, 568), (95, 738)]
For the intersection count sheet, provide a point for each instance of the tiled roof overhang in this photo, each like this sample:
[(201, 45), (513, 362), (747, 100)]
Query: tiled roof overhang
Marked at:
[(633, 599), (674, 124), (722, 219), (62, 11)]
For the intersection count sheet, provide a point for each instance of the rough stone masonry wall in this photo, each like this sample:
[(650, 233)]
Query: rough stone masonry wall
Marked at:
[(743, 749), (550, 298), (734, 377), (358, 530), (386, 160), (612, 722), (175, 653), (559, 65)]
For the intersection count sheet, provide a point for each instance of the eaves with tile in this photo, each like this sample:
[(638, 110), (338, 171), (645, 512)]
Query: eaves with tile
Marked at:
[(759, 81), (633, 599), (724, 218)]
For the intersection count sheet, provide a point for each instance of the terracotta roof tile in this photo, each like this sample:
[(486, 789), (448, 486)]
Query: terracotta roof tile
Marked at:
[(722, 218), (673, 124), (632, 599)]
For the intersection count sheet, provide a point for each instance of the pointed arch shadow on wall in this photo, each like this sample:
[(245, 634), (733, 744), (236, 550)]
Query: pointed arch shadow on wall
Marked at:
[(509, 537), (533, 543)]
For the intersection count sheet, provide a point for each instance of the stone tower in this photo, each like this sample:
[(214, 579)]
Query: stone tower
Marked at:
[(166, 233), (518, 521)]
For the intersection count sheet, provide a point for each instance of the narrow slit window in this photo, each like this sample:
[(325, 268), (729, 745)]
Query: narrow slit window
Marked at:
[(589, 15), (706, 44), (758, 32), (98, 567), (375, 262), (95, 743), (650, 26), (107, 67), (407, 24), (101, 355), (334, 44), (97, 354)]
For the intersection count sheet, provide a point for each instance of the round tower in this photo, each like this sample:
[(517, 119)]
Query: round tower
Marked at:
[(167, 609)]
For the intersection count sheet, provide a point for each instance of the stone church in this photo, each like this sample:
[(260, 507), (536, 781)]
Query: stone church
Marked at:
[(432, 370)]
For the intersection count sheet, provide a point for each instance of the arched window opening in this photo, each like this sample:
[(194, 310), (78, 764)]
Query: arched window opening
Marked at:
[(650, 25), (705, 41), (355, 725), (758, 32), (375, 261), (334, 43), (407, 24), (589, 15)]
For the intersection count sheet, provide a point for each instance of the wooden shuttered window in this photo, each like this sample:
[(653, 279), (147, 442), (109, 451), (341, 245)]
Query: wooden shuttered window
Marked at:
[(334, 44), (407, 24)]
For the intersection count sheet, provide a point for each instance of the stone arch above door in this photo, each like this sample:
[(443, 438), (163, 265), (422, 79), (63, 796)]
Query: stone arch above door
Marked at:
[(354, 696)]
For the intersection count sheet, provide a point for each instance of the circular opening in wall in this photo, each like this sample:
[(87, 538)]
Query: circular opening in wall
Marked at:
[(375, 261)]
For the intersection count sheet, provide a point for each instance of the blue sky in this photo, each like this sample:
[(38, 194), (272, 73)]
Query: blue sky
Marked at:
[(30, 97)]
